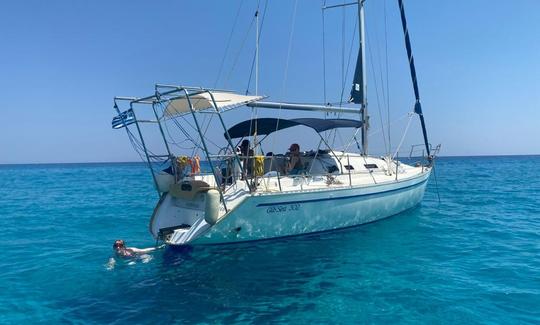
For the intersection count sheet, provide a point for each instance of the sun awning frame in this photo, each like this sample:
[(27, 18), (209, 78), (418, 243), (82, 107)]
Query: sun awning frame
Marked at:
[(205, 100)]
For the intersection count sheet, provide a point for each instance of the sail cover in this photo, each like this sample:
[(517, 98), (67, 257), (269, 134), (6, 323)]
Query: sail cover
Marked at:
[(265, 126), (202, 101)]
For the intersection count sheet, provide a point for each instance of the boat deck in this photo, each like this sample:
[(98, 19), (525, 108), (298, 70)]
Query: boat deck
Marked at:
[(360, 176)]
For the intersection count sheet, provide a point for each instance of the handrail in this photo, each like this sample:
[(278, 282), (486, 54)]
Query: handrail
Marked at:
[(205, 148), (433, 151)]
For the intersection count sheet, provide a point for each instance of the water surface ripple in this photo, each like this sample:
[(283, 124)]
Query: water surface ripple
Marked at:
[(473, 258)]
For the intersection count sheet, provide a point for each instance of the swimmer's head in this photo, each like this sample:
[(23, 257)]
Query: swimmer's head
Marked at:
[(119, 244)]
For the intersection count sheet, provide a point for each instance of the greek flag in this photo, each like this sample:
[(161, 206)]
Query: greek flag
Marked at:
[(124, 119)]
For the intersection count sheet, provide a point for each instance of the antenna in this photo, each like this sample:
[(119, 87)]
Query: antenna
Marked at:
[(257, 53)]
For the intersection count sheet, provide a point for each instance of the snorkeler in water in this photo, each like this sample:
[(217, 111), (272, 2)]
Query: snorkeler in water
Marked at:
[(122, 250), (130, 253)]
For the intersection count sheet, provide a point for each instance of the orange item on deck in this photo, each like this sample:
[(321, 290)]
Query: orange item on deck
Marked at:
[(195, 163)]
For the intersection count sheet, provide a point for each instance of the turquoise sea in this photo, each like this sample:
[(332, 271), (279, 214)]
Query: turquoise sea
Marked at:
[(472, 258)]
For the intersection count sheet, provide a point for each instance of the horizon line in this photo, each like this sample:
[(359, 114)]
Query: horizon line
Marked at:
[(144, 162)]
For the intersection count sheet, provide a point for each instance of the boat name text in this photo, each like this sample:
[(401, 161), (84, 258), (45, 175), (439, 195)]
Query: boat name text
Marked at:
[(283, 208)]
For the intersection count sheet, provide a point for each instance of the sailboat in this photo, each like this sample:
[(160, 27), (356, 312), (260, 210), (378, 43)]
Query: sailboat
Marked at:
[(241, 195)]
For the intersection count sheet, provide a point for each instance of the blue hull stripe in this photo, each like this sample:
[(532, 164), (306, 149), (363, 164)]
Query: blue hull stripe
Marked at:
[(341, 197)]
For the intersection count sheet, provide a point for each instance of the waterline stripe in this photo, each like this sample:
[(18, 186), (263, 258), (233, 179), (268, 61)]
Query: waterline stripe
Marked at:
[(341, 197)]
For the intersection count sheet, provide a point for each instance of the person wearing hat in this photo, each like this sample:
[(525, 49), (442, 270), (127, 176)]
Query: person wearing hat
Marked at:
[(294, 167)]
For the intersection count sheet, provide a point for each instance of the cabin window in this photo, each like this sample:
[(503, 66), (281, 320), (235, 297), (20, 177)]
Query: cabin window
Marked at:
[(371, 166), (348, 167), (332, 169)]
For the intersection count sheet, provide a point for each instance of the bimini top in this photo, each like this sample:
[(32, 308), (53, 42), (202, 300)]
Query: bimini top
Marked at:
[(202, 100), (265, 126)]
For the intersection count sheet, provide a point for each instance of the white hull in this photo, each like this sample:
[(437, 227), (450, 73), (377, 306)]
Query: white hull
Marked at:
[(273, 215)]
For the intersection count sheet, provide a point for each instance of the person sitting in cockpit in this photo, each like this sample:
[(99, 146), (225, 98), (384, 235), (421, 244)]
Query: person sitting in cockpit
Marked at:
[(294, 166), (246, 155)]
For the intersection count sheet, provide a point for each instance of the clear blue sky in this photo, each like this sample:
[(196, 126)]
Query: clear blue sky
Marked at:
[(62, 62)]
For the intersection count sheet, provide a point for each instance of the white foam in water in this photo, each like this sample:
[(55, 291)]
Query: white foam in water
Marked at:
[(145, 258), (111, 264)]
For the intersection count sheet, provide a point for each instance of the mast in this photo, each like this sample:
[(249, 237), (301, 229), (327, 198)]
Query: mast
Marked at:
[(359, 87), (417, 105)]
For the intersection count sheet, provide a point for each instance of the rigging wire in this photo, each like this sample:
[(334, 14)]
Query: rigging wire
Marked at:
[(239, 51), (254, 111), (384, 91), (184, 132), (285, 74), (186, 135), (392, 123), (342, 50), (180, 127), (371, 133), (404, 134), (205, 131), (228, 44), (346, 76), (222, 64), (291, 34), (196, 143), (376, 86), (348, 64), (140, 149), (134, 144), (387, 76), (138, 144), (324, 55)]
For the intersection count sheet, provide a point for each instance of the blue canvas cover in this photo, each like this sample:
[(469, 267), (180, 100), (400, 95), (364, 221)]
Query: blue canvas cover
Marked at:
[(265, 126)]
